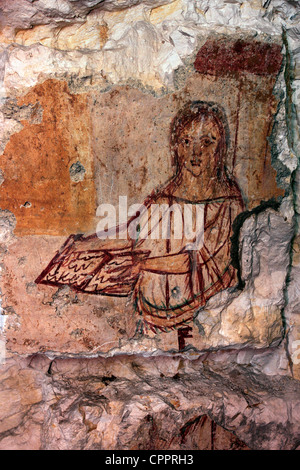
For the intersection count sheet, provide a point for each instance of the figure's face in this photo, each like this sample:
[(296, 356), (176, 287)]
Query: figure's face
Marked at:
[(197, 145)]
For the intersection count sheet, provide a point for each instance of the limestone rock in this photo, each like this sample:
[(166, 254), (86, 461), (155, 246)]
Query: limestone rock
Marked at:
[(86, 88), (138, 403), (255, 313)]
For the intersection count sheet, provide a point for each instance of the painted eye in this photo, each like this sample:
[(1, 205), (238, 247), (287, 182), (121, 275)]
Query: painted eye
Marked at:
[(207, 142), (186, 141)]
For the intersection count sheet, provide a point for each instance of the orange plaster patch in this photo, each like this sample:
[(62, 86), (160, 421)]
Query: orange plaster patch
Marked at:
[(36, 163)]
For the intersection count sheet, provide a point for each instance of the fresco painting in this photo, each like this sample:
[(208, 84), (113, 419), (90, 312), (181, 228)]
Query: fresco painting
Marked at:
[(205, 147), (168, 281)]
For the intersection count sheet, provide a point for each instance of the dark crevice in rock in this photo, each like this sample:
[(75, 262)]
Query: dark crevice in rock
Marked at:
[(236, 227)]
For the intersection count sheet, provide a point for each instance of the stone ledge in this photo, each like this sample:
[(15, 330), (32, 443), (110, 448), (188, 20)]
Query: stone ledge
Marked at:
[(82, 404)]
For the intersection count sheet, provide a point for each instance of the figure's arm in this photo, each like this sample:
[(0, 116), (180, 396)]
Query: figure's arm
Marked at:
[(181, 263), (168, 264), (136, 262)]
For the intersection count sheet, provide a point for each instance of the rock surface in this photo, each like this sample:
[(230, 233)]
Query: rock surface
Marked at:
[(138, 403), (76, 77)]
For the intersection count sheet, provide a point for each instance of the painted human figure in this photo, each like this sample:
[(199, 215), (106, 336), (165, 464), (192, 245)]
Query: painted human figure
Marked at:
[(168, 278)]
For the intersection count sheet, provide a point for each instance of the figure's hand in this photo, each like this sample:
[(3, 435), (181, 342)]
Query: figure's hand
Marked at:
[(124, 267)]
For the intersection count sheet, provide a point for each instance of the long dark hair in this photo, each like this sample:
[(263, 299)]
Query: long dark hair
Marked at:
[(193, 111)]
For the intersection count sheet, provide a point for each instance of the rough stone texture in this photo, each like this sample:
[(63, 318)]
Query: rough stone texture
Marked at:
[(141, 43), (292, 310), (61, 64), (138, 403), (256, 312)]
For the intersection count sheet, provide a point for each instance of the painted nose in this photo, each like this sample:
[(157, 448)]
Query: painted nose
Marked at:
[(197, 152)]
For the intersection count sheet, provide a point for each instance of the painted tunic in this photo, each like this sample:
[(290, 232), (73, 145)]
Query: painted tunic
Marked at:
[(180, 275)]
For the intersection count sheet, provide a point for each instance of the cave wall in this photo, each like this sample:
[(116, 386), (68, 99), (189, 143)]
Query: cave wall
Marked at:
[(88, 93)]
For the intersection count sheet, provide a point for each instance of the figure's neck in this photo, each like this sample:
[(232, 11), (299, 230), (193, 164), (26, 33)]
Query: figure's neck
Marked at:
[(198, 188)]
